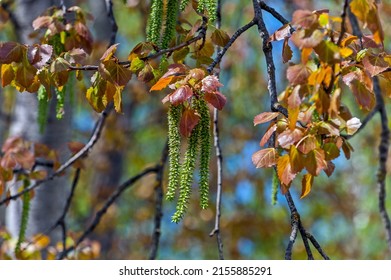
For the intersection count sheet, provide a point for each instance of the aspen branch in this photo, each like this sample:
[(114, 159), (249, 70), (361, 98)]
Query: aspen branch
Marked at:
[(102, 211), (219, 162), (159, 204)]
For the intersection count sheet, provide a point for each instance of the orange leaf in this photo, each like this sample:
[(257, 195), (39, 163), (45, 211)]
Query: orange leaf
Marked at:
[(284, 170), (265, 158), (306, 183), (265, 117), (162, 83)]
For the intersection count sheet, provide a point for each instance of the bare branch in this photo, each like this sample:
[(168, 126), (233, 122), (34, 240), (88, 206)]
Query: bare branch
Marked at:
[(219, 162), (102, 211), (235, 36), (82, 153), (343, 24), (159, 204), (273, 12), (114, 26)]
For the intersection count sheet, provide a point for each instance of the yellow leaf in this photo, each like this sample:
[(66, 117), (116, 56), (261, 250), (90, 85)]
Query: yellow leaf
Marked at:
[(284, 170), (306, 184)]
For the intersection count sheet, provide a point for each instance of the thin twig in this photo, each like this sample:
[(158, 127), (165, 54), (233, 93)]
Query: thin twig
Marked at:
[(158, 204), (114, 26), (304, 237), (219, 162), (82, 153), (343, 24), (102, 211), (273, 12), (317, 245), (235, 36), (200, 36)]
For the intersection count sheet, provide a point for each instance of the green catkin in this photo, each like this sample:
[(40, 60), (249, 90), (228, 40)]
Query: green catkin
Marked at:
[(171, 19), (24, 218), (205, 147), (43, 106), (184, 4), (60, 95), (174, 146), (187, 171), (274, 187), (211, 6), (155, 22)]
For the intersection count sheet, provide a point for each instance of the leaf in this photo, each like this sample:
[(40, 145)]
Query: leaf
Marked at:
[(307, 38), (59, 65), (329, 169), (286, 51), (296, 159), (11, 52), (115, 73), (360, 8), (109, 53), (364, 97), (347, 149), (328, 128), (267, 135), (188, 121), (353, 125), (304, 18), (306, 184), (162, 83), (284, 171), (328, 52), (294, 102), (289, 137), (265, 158), (281, 34), (331, 151), (374, 64), (315, 162), (25, 75), (216, 99), (7, 74), (265, 117), (77, 55), (181, 95), (298, 74), (146, 74), (42, 22), (38, 175), (179, 55), (39, 55), (136, 65), (220, 37)]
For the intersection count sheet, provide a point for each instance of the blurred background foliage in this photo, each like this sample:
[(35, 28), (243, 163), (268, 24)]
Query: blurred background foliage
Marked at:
[(341, 211)]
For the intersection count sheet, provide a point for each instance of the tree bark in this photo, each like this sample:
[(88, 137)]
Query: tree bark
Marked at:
[(47, 204)]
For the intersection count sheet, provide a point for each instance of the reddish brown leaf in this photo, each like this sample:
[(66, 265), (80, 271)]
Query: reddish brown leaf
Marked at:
[(42, 22), (298, 74), (284, 171), (304, 18), (306, 184), (286, 51), (265, 117), (181, 95), (265, 158), (25, 75), (267, 135), (329, 169), (115, 73), (216, 99), (374, 64), (188, 121), (289, 137), (281, 34), (39, 55), (77, 55), (109, 53), (347, 149), (315, 162), (307, 38), (10, 52), (146, 74), (364, 97)]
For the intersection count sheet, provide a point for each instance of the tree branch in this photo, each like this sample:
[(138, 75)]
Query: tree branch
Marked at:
[(273, 12), (82, 153), (159, 204), (114, 26), (102, 211), (343, 24), (219, 162)]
